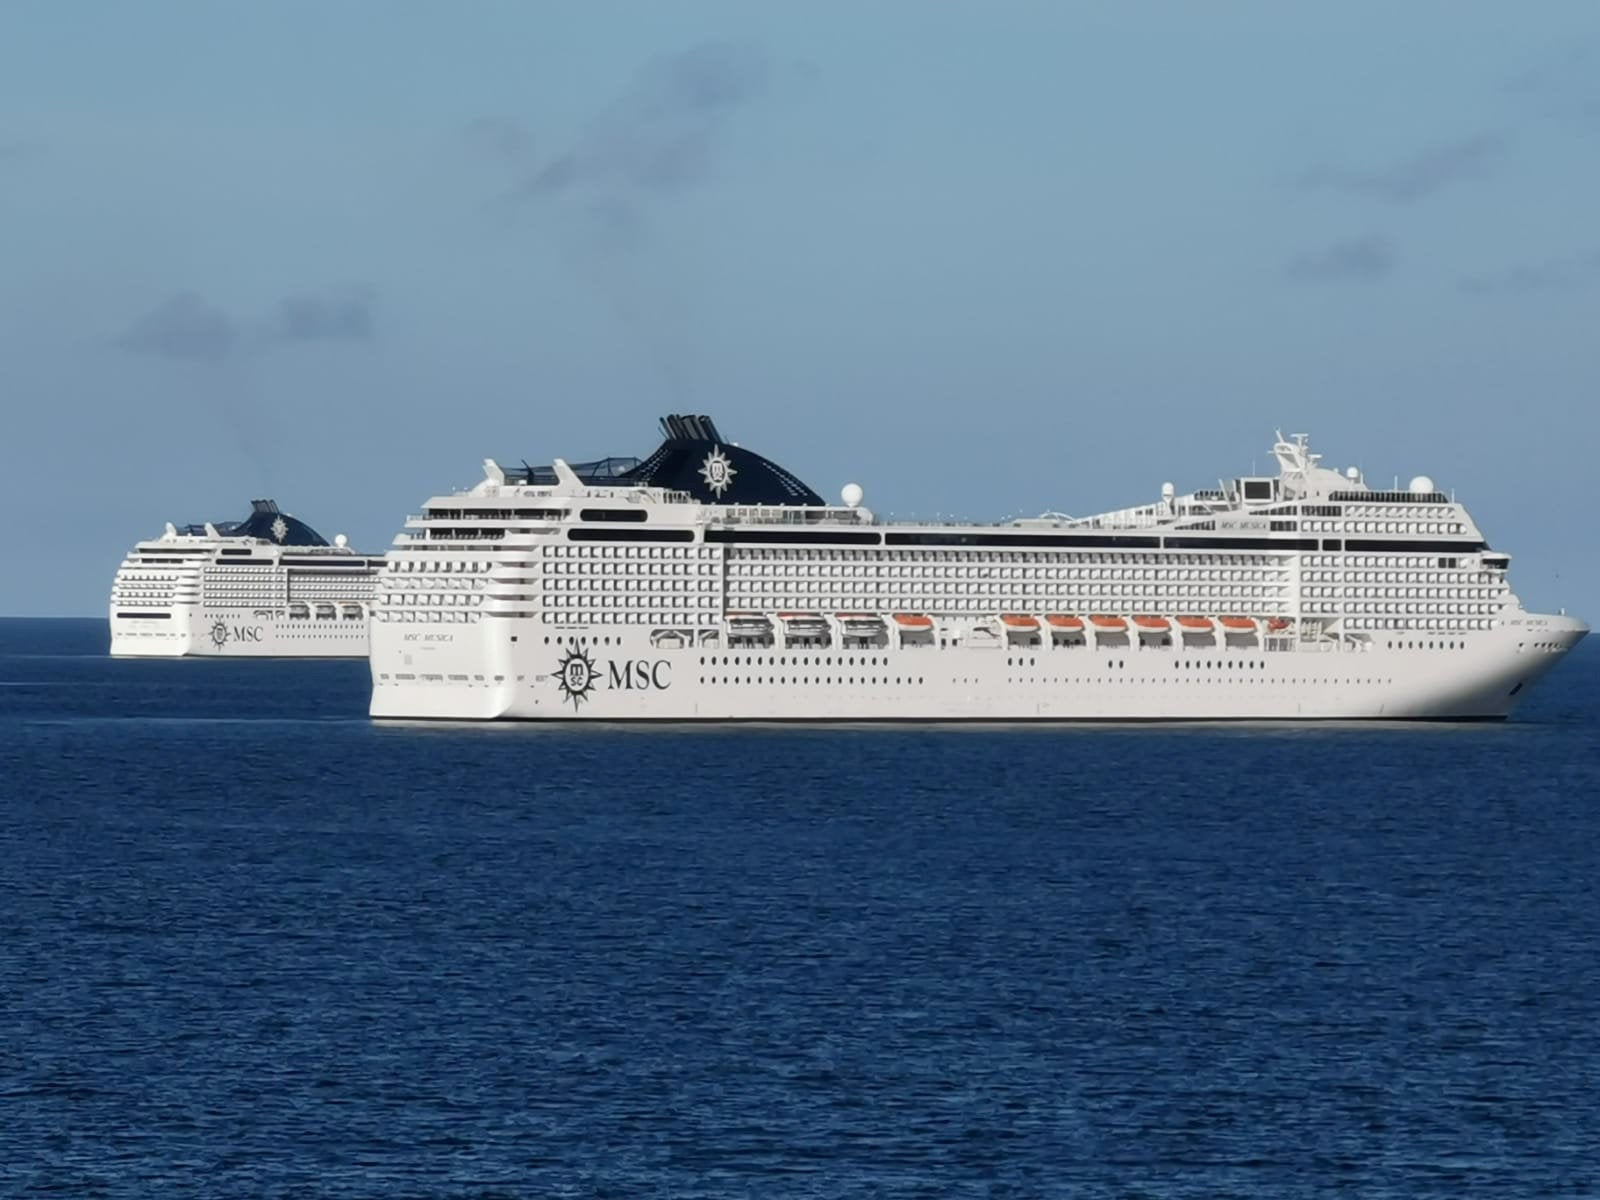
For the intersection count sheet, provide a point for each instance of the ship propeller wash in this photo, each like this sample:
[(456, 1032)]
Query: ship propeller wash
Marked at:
[(706, 582)]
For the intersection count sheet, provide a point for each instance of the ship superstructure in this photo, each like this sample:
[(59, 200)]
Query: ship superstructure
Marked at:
[(706, 582), (267, 586)]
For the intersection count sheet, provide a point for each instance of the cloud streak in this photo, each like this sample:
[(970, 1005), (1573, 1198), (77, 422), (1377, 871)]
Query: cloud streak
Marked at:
[(336, 315), (1564, 85), (1355, 260), (20, 154), (1564, 274), (186, 327), (502, 138), (1419, 176), (663, 135), (661, 132)]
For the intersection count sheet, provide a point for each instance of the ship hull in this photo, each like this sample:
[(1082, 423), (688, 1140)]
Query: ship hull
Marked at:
[(514, 670), (183, 631)]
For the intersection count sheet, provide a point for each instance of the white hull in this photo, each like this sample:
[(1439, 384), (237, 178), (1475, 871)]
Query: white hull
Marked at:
[(194, 632), (706, 583), (453, 676), (266, 587)]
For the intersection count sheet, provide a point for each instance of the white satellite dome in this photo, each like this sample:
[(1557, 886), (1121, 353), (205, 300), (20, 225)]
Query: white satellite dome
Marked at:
[(852, 495), (1421, 485), (1168, 491), (340, 540), (1352, 473)]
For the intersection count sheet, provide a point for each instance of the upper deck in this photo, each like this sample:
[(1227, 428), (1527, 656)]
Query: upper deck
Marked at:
[(267, 529), (724, 493)]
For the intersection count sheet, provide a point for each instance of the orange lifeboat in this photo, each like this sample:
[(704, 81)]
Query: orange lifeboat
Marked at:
[(1239, 623), (1144, 622), (1277, 625), (1104, 621), (1196, 624), (1019, 621), (1063, 621), (913, 621)]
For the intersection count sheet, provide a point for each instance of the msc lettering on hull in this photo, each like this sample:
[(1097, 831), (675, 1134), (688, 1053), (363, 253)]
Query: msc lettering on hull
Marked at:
[(222, 633), (579, 677), (638, 673)]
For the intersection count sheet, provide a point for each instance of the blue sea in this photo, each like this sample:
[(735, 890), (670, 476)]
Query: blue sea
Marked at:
[(252, 944)]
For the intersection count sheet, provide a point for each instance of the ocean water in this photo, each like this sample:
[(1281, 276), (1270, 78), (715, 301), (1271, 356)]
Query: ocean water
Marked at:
[(252, 944)]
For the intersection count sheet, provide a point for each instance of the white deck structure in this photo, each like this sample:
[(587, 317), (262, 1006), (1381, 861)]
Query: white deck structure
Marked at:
[(708, 583), (265, 587)]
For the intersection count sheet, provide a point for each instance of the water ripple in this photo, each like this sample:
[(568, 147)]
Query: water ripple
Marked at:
[(251, 944)]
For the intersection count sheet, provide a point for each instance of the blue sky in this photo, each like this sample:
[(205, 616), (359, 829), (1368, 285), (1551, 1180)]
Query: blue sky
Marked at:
[(984, 259)]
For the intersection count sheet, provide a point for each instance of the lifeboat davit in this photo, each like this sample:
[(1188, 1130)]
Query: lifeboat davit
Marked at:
[(913, 621), (1195, 624), (1019, 621), (803, 625), (1153, 623), (1105, 621), (860, 624), (1239, 624), (1063, 621)]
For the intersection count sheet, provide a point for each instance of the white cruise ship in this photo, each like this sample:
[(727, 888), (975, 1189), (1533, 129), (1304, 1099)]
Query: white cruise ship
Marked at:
[(706, 582), (269, 586)]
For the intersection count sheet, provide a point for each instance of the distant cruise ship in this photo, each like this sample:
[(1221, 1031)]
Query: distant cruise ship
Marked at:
[(708, 583), (267, 586)]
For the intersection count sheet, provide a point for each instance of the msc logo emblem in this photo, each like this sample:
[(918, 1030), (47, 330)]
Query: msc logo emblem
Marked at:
[(575, 676), (579, 676), (717, 471), (222, 633)]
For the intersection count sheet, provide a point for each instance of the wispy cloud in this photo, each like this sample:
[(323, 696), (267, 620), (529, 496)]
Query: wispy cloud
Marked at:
[(184, 326), (1563, 274), (1354, 260), (1420, 175), (336, 315), (660, 133), (663, 132), (502, 138), (1564, 85), (14, 152), (187, 327)]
